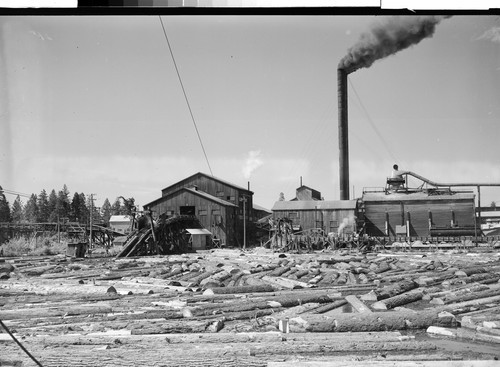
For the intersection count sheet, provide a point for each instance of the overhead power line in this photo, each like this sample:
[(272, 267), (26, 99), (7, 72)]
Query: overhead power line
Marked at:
[(372, 124), (185, 97)]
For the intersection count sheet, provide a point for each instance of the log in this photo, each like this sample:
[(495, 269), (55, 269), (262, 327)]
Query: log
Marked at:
[(161, 339), (328, 307), (28, 313), (390, 291), (280, 271), (375, 321), (455, 307), (291, 349), (196, 280), (285, 282), (399, 300), (473, 296), (463, 334), (271, 302), (358, 305), (440, 297), (175, 327), (240, 289), (469, 271)]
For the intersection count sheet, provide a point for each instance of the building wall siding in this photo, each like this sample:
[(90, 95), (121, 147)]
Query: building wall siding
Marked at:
[(217, 218), (418, 212), (328, 220)]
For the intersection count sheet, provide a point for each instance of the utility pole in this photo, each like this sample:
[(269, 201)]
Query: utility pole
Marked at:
[(91, 220), (244, 199)]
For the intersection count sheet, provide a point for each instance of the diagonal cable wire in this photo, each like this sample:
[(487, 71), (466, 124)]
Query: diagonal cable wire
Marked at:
[(371, 122), (185, 97), (20, 344)]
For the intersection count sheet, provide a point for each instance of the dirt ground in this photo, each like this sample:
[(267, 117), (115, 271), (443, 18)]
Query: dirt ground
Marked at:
[(228, 307)]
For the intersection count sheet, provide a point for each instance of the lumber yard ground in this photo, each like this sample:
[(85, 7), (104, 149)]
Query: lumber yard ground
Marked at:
[(226, 307)]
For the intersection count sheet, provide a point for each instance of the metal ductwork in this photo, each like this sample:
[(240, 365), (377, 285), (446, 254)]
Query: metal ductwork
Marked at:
[(343, 134)]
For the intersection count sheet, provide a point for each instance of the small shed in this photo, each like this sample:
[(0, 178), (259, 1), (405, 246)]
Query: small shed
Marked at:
[(120, 223), (199, 239)]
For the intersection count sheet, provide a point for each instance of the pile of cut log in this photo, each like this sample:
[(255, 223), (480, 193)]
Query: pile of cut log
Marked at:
[(226, 307)]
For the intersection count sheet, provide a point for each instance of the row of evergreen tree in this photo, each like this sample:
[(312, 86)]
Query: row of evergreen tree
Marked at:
[(58, 207)]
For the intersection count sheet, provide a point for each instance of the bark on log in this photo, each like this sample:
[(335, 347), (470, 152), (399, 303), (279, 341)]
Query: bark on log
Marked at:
[(469, 271), (285, 282), (272, 302), (473, 296), (328, 307), (280, 271), (28, 313), (290, 349), (464, 334), (241, 289), (440, 297), (390, 291), (176, 327), (376, 321), (401, 299)]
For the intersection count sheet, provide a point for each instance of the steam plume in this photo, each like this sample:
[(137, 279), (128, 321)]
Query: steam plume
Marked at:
[(252, 163), (387, 38)]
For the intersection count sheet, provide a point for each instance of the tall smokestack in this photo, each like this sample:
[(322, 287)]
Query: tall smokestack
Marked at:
[(343, 135), (384, 39)]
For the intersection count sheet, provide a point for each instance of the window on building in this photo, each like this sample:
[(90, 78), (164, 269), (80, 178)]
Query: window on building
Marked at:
[(334, 225), (219, 194), (293, 215), (202, 212)]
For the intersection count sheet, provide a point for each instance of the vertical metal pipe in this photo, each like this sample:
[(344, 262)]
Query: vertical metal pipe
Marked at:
[(343, 135)]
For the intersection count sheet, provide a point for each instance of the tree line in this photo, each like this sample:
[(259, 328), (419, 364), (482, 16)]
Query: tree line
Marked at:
[(58, 207)]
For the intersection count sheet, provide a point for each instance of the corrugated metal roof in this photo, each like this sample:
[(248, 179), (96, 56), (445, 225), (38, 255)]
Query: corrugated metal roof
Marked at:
[(494, 214), (258, 207), (198, 231), (315, 204), (421, 195), (120, 218), (208, 196)]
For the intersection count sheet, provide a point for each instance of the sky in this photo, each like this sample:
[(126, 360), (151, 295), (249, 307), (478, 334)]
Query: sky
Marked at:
[(95, 102)]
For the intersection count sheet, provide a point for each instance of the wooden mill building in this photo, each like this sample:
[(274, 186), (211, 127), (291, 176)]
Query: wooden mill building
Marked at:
[(419, 213), (307, 211), (218, 205)]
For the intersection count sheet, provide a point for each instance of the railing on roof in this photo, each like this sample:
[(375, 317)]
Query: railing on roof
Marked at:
[(373, 189)]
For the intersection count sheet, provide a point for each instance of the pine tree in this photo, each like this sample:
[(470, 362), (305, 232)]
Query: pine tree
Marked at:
[(106, 211), (31, 209), (4, 208), (52, 207), (76, 208), (43, 207), (84, 215), (63, 205), (17, 210), (116, 208)]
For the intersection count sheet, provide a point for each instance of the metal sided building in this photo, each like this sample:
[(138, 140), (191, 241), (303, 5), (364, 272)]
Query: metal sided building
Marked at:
[(419, 214), (310, 214)]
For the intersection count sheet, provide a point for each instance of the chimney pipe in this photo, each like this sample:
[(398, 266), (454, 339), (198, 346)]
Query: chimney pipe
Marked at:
[(248, 184), (343, 134)]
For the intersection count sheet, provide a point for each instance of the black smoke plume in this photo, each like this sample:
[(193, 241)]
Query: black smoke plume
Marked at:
[(387, 38)]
